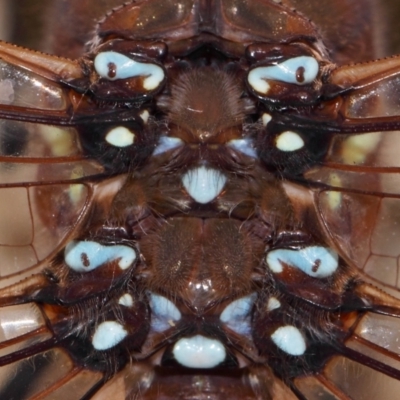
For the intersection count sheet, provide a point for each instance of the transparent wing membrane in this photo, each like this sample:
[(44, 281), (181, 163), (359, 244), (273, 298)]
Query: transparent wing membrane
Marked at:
[(206, 172)]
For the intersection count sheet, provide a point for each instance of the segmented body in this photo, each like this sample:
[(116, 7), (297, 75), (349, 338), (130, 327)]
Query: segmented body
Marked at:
[(204, 211)]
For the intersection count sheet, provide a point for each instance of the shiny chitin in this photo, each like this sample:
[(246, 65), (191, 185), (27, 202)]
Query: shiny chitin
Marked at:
[(203, 205)]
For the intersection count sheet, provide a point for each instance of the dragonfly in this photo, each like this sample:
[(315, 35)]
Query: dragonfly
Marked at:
[(200, 199)]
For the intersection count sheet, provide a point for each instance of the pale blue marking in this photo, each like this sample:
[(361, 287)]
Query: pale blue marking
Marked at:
[(199, 352), (237, 315), (97, 255), (164, 313), (305, 260), (245, 146), (203, 184), (290, 340), (127, 68), (108, 334), (284, 72), (167, 143)]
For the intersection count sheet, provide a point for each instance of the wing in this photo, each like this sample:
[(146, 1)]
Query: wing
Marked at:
[(359, 204), (356, 194), (45, 194), (57, 165), (54, 149), (40, 165)]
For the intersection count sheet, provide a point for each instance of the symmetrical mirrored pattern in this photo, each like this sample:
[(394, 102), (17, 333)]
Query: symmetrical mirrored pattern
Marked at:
[(199, 199)]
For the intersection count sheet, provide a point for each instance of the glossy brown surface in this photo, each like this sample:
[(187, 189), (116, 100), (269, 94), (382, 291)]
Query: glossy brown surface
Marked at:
[(63, 180)]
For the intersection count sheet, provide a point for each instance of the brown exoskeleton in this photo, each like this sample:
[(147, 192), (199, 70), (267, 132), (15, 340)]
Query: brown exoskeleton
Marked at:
[(204, 205)]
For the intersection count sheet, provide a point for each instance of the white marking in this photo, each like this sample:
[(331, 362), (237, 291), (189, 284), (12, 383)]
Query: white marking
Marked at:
[(245, 146), (167, 143), (87, 256), (257, 81), (164, 313), (120, 137), (126, 300), (284, 72), (108, 334), (273, 304), (315, 261), (203, 184), (199, 352), (289, 141), (7, 93), (237, 315), (145, 116), (290, 340), (195, 110), (266, 118), (126, 68)]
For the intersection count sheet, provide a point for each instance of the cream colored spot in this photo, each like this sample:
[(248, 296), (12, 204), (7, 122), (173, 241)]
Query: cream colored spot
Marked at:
[(266, 118), (145, 116), (120, 137), (357, 148), (334, 197), (289, 141)]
